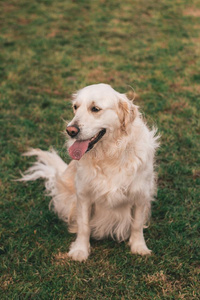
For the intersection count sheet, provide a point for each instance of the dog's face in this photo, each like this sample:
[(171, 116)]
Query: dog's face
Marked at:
[(99, 111)]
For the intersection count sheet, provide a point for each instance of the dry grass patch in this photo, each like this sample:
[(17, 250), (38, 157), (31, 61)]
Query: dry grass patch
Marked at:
[(62, 258), (192, 12), (161, 280)]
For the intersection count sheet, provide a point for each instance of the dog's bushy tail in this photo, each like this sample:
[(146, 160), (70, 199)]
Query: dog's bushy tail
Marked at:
[(50, 167)]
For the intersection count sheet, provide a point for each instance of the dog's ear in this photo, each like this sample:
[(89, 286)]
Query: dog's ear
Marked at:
[(127, 112)]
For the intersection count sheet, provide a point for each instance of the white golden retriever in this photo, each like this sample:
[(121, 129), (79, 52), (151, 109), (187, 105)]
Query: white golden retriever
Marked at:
[(108, 187)]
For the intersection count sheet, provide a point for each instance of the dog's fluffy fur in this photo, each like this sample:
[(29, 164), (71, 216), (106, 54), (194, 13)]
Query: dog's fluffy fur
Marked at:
[(108, 192)]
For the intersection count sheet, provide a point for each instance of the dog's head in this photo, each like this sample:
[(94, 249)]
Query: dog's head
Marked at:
[(100, 112)]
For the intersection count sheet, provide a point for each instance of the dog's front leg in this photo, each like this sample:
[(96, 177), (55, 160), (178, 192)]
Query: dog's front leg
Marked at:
[(80, 249), (137, 242)]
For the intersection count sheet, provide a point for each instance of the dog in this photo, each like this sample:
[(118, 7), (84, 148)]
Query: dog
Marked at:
[(107, 188)]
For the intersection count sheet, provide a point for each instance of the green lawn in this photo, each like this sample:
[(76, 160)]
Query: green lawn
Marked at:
[(49, 49)]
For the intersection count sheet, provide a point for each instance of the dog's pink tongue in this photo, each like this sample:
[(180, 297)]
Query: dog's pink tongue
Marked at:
[(77, 150)]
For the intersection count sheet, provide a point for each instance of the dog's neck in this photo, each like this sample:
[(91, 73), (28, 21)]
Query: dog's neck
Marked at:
[(111, 150)]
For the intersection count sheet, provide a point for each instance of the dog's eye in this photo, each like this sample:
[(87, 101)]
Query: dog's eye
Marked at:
[(75, 107), (95, 109)]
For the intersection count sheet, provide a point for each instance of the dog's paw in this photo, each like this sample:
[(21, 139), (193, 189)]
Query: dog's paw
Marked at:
[(140, 248), (78, 253)]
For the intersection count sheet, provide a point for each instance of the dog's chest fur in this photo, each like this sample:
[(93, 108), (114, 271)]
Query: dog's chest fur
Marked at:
[(107, 184)]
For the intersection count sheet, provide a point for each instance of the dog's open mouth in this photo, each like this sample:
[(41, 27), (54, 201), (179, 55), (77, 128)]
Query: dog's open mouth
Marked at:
[(79, 148)]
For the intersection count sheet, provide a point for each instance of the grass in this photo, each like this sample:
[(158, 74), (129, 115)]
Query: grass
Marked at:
[(49, 49)]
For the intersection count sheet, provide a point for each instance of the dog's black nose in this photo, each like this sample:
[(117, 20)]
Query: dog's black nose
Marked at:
[(72, 130)]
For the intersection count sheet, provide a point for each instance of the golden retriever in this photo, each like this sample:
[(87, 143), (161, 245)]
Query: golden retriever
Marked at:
[(107, 188)]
